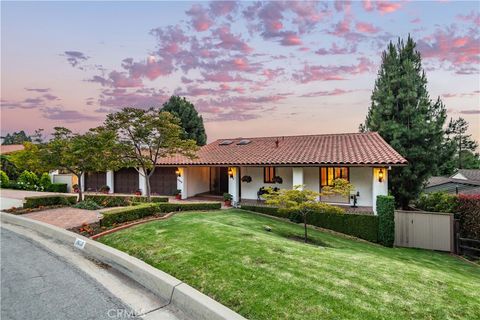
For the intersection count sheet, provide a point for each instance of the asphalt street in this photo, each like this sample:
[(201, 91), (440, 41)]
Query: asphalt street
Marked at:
[(37, 284)]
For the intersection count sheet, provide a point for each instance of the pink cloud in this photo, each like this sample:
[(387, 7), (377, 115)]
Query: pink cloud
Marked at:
[(471, 17), (141, 98), (335, 92), (230, 41), (290, 39), (342, 28), (222, 76), (151, 68), (222, 8), (387, 6), (366, 27), (120, 80), (416, 20), (462, 52), (367, 5), (200, 19), (336, 50), (327, 73)]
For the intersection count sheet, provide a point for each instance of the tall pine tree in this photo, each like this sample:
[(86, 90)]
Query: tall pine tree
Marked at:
[(191, 122), (405, 116)]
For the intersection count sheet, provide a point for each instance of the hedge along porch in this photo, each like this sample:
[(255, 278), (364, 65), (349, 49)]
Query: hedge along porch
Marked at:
[(248, 164)]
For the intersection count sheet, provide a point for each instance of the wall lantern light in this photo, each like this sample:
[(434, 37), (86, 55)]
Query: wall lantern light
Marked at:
[(380, 175), (178, 173), (230, 173)]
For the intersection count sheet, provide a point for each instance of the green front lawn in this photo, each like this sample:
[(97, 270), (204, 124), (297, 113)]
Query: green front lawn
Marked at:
[(229, 256)]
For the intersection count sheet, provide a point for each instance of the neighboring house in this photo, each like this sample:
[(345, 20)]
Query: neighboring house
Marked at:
[(11, 148), (310, 160), (464, 181)]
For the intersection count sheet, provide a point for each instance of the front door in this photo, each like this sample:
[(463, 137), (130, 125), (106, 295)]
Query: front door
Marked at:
[(219, 180)]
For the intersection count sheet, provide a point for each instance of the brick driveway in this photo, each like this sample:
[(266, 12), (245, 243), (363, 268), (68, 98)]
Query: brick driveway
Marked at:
[(65, 217)]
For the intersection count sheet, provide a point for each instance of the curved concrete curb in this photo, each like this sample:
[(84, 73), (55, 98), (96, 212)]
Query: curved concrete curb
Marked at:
[(189, 300)]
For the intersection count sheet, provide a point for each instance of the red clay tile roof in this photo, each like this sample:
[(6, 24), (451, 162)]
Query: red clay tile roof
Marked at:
[(327, 149), (11, 148)]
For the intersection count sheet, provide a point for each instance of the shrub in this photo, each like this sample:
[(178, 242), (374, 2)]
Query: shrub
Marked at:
[(45, 181), (468, 214), (87, 205), (437, 202), (4, 180), (43, 201), (147, 209), (386, 220), (104, 188), (58, 187), (28, 180), (109, 201), (364, 226)]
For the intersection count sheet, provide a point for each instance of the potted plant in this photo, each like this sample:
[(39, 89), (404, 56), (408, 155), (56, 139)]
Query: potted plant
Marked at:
[(75, 188), (278, 179), (178, 194), (104, 189), (247, 179), (138, 192), (227, 197)]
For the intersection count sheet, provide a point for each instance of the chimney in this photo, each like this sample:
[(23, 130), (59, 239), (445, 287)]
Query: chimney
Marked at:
[(276, 143)]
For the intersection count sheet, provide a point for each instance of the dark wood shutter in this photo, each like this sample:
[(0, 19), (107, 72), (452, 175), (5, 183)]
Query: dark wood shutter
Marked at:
[(163, 181), (95, 180), (125, 180)]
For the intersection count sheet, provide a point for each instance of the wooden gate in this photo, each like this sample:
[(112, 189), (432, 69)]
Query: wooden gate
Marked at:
[(426, 230)]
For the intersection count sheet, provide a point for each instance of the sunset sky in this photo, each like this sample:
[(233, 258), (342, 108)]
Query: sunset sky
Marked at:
[(250, 68)]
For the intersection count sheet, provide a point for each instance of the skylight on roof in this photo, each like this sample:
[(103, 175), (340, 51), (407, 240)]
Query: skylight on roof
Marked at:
[(243, 142), (226, 142)]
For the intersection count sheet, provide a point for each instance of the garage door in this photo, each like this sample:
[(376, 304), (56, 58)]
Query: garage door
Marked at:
[(125, 181), (163, 181), (95, 180)]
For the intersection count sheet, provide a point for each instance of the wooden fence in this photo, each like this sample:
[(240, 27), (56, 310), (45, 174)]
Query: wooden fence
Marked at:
[(465, 246), (426, 230)]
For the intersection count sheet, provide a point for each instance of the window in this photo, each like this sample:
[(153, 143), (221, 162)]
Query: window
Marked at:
[(268, 174), (328, 174)]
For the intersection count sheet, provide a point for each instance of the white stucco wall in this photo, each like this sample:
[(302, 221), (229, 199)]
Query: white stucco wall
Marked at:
[(311, 178), (249, 190), (142, 182), (63, 178), (361, 179), (379, 188), (198, 180), (110, 176), (234, 184)]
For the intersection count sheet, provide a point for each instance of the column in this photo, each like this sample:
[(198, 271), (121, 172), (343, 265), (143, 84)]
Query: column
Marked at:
[(110, 181), (82, 182), (379, 188), (142, 181), (234, 184), (182, 182), (297, 177)]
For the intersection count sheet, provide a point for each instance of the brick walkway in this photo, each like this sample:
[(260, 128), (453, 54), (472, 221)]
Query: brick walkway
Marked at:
[(65, 217)]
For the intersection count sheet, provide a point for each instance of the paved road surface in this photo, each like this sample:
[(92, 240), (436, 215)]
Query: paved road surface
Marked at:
[(36, 284)]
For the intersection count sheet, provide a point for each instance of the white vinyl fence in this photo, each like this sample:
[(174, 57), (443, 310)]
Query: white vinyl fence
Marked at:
[(426, 230)]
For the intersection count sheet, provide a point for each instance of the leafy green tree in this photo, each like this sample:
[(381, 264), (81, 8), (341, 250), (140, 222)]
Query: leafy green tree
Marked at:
[(9, 167), (95, 150), (146, 136), (28, 158), (16, 138), (404, 115), (191, 122), (457, 133), (304, 201)]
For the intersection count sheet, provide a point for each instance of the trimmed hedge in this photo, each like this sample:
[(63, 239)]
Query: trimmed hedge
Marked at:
[(108, 201), (53, 200), (358, 225), (468, 214), (57, 187), (437, 202), (386, 220), (147, 209)]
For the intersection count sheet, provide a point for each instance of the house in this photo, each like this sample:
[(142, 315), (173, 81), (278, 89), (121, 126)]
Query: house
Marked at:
[(242, 166), (463, 181)]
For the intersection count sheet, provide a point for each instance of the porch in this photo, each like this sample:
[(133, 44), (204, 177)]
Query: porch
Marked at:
[(245, 183)]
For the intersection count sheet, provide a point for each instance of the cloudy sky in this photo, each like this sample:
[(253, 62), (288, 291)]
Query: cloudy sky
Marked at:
[(251, 68)]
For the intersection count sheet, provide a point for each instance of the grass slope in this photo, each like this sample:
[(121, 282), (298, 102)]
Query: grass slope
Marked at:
[(263, 275)]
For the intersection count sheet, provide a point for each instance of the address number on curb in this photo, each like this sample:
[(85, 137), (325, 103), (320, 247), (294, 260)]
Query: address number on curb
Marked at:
[(79, 243)]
